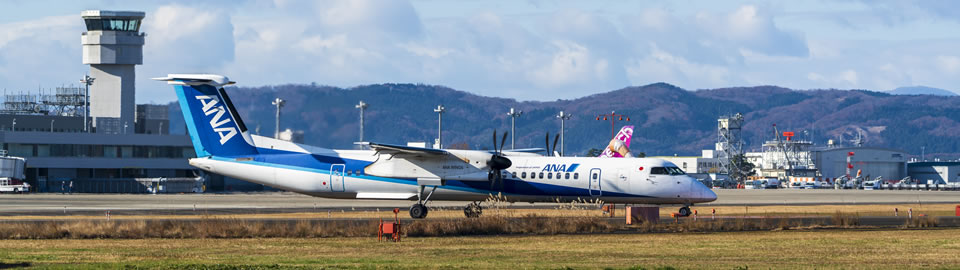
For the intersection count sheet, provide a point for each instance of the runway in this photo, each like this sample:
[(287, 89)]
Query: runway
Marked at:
[(280, 202)]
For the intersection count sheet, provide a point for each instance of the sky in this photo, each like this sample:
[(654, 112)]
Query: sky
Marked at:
[(527, 50)]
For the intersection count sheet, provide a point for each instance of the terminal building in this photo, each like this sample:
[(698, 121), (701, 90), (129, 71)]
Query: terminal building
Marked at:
[(95, 138)]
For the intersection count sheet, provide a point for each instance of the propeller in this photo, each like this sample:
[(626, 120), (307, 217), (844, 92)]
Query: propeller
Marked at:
[(551, 151), (497, 162), (555, 140)]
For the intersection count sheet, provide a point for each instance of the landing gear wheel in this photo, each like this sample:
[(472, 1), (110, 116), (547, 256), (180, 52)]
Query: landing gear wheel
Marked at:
[(685, 211), (418, 211), (473, 210)]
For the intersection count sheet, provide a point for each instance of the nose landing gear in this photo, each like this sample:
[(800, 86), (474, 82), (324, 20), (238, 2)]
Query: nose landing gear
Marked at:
[(684, 211)]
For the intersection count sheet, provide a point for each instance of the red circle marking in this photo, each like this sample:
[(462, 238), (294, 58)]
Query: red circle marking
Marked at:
[(641, 168), (324, 183)]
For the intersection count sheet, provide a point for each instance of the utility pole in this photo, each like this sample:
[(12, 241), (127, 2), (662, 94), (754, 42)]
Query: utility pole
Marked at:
[(362, 106), (279, 103), (513, 119), (563, 117), (439, 110), (613, 117), (86, 81)]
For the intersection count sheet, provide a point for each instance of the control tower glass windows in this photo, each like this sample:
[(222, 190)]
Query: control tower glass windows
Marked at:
[(128, 25)]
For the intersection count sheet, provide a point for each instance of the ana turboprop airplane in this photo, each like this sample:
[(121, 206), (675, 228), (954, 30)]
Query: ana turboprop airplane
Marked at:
[(395, 172)]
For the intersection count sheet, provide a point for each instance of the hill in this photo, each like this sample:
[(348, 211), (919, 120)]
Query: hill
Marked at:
[(922, 90), (669, 120)]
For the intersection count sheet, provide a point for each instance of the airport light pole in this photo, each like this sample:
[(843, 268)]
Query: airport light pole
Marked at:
[(439, 110), (279, 103), (51, 124), (613, 117), (14, 128), (362, 106), (513, 120), (86, 81), (563, 117)]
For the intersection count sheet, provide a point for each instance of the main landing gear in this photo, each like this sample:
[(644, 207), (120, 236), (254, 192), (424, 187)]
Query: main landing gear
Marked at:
[(684, 211), (420, 210), (473, 210)]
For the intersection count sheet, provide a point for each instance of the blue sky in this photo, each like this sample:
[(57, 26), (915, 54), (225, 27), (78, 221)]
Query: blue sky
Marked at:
[(528, 50)]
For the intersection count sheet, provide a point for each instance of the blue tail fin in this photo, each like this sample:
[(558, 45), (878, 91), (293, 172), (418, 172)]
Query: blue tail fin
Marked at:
[(214, 124)]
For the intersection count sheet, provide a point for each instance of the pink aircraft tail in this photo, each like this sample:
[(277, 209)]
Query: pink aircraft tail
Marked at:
[(619, 146)]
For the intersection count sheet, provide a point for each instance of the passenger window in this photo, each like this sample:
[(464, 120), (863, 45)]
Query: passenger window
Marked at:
[(541, 175), (594, 176), (576, 176), (514, 174), (550, 175), (523, 175), (566, 176), (349, 172)]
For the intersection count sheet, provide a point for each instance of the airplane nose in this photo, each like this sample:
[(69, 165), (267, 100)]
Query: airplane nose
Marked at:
[(706, 194)]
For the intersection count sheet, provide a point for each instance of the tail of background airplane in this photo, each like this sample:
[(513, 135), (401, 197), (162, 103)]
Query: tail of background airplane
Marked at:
[(619, 146), (215, 126)]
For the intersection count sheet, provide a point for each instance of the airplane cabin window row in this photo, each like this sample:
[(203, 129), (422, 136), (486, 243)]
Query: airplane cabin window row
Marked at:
[(549, 175)]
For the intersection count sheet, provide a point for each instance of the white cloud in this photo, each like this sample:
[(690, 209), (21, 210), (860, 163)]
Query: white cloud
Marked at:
[(949, 64)]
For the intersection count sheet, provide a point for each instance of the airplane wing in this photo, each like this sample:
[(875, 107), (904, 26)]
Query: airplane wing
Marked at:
[(403, 149)]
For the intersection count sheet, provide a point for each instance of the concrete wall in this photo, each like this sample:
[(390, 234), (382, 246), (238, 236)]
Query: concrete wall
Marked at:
[(889, 163)]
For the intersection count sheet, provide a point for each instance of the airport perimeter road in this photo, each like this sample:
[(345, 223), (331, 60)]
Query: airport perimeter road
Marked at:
[(830, 196), (278, 201)]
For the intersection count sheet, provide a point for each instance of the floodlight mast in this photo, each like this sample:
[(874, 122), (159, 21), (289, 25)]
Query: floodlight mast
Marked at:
[(86, 81), (439, 110), (563, 117), (513, 119), (279, 103), (362, 106)]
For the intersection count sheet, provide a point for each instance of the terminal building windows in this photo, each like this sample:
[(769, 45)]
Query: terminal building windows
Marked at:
[(107, 151), (127, 25)]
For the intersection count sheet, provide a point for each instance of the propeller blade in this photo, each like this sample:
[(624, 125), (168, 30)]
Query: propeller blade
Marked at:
[(502, 141), (547, 143), (494, 140), (555, 140)]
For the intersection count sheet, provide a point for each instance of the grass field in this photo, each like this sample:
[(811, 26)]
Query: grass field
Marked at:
[(821, 249)]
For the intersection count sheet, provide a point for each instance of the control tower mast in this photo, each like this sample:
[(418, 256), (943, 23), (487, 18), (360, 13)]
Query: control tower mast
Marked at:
[(112, 46)]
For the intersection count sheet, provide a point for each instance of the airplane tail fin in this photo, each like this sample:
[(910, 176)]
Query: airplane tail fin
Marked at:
[(214, 125), (619, 146)]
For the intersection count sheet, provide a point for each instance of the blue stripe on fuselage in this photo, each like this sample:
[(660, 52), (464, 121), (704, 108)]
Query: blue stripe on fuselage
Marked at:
[(322, 163)]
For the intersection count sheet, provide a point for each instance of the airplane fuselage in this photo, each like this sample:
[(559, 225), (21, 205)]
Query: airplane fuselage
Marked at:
[(349, 174)]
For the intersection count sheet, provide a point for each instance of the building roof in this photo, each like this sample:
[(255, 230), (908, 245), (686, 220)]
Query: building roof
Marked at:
[(90, 14), (933, 163)]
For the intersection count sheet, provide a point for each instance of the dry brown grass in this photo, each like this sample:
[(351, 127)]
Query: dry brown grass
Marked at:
[(922, 222), (563, 210)]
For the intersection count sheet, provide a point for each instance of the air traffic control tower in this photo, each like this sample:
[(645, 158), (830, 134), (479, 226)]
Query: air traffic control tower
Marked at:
[(112, 46)]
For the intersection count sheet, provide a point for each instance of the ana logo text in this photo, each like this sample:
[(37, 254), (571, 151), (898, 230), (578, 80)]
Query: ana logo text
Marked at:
[(560, 167), (210, 106)]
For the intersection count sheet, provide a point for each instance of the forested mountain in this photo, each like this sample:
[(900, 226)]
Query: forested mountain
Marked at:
[(669, 120)]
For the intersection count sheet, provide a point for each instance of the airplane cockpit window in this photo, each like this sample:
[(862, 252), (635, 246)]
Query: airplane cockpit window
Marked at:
[(666, 171)]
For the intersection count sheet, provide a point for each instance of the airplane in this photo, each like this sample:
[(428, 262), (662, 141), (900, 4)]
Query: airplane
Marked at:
[(224, 146), (619, 146)]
